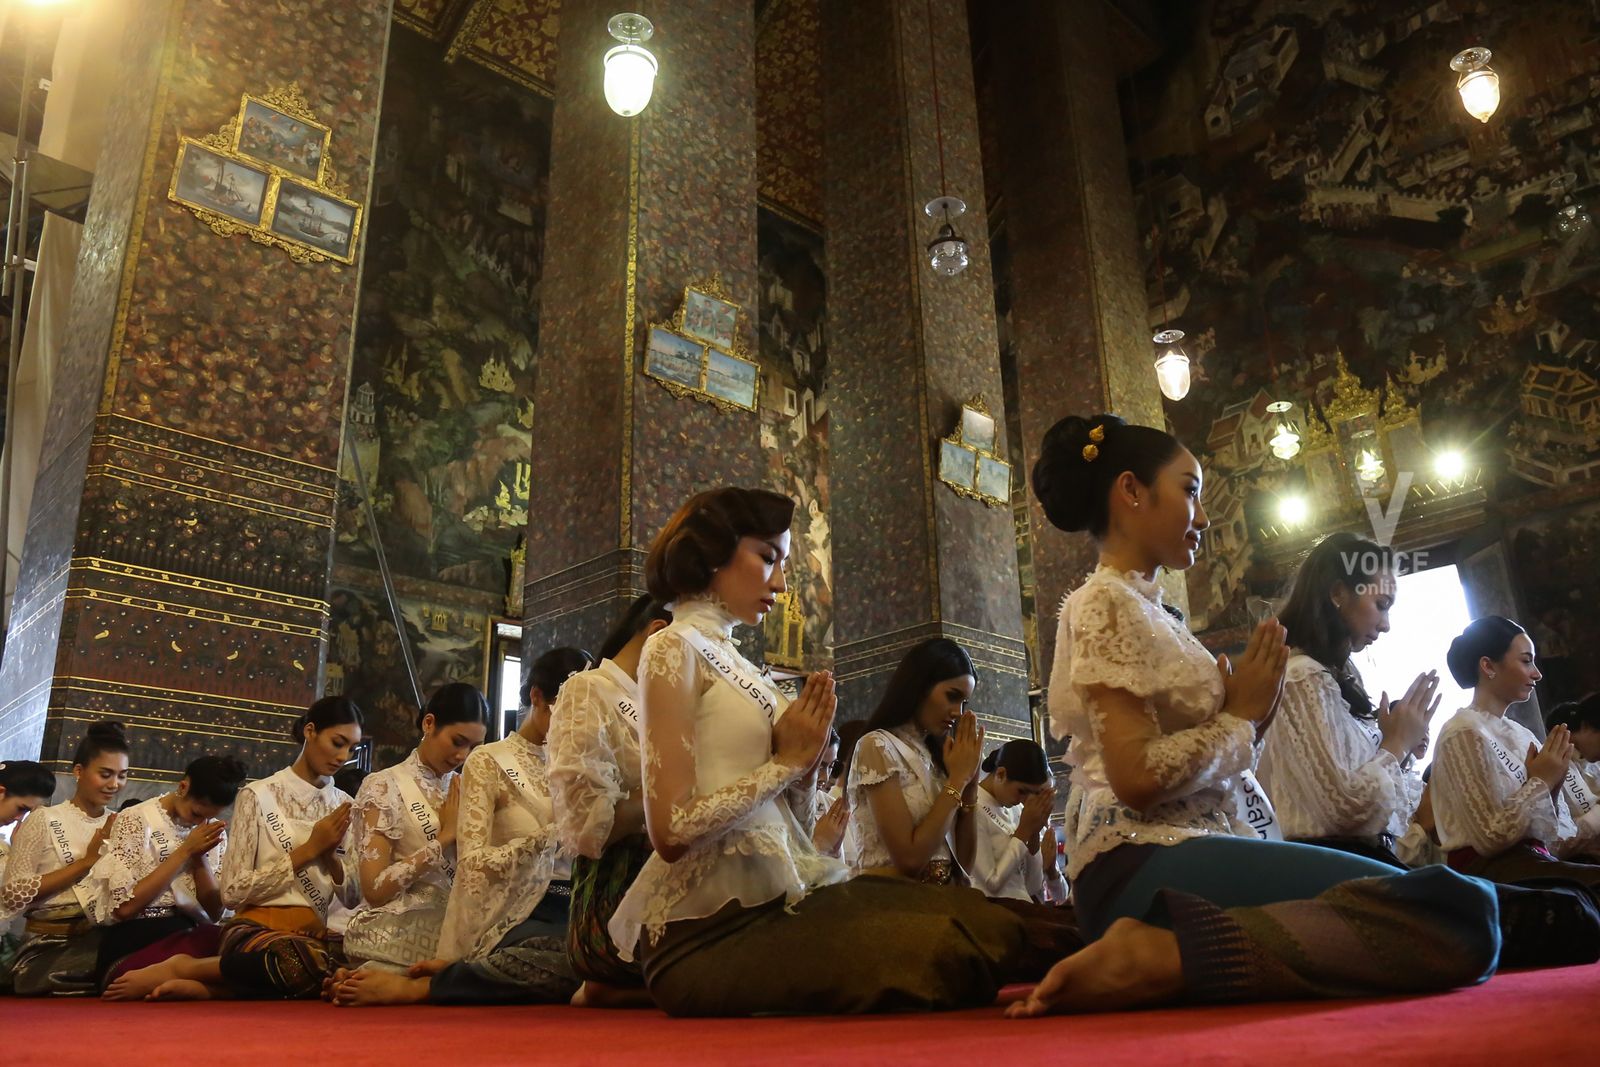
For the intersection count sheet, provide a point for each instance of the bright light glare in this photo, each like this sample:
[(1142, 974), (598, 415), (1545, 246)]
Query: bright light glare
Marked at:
[(1293, 510), (1450, 465)]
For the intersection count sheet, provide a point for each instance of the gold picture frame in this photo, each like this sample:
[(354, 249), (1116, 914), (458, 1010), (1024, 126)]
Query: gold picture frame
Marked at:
[(218, 183), (700, 353), (314, 219), (273, 130), (975, 469)]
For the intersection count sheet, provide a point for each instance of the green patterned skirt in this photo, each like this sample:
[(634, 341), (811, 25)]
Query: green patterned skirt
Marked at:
[(598, 887)]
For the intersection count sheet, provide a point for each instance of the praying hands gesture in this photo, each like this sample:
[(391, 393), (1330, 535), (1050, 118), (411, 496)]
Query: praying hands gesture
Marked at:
[(203, 839), (1254, 685), (1404, 723), (1550, 762), (963, 750), (802, 730), (828, 837), (1035, 816), (328, 831)]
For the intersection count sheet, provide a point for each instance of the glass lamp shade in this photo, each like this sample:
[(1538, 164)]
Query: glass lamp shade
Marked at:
[(630, 78), (948, 252), (1478, 85), (1172, 366), (1285, 443), (1369, 468)]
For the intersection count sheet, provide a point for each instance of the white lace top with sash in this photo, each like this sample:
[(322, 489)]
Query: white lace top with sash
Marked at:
[(268, 815), (748, 845), (1115, 633), (1002, 866), (1324, 768), (143, 838), (1484, 799), (505, 846), (902, 755), (48, 840), (406, 799), (594, 755)]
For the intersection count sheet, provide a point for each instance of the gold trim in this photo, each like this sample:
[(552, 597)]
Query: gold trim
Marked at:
[(105, 471), (158, 481), (212, 615), (629, 329), (789, 214), (219, 466), (506, 70), (477, 13), (294, 709), (218, 441), (187, 581), (286, 100), (150, 722)]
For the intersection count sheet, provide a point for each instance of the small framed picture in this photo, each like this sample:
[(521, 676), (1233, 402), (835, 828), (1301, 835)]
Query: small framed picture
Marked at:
[(732, 379), (674, 359), (958, 464), (977, 429), (284, 142), (209, 180), (317, 219), (710, 319), (994, 477)]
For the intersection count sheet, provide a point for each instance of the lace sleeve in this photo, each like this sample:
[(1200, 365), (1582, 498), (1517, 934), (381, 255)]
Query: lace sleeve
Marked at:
[(249, 872), (1114, 643), (1200, 757), (23, 867), (376, 806), (1332, 773), (875, 762), (1494, 812), (672, 686), (585, 779), (126, 861), (483, 786)]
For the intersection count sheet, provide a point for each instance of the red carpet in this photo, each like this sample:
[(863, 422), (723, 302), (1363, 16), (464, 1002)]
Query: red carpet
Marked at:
[(1515, 1020)]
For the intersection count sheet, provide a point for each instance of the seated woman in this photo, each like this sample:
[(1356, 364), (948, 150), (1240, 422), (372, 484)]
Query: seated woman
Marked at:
[(282, 871), (1507, 807), (1015, 798), (595, 786), (24, 786), (504, 939), (155, 889), (830, 809), (1582, 720), (1168, 871), (1336, 765), (913, 784), (51, 855), (405, 835), (736, 912)]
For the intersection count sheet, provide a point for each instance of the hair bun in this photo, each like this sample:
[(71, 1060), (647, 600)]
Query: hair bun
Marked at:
[(234, 769), (107, 730), (1063, 479)]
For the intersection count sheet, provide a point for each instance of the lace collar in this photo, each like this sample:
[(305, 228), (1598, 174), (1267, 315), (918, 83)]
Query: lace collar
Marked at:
[(419, 769), (1149, 588), (708, 615)]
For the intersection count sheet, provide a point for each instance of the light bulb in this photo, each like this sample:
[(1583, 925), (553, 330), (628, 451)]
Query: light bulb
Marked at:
[(948, 252), (1172, 366), (1285, 442), (630, 68), (1293, 510), (1478, 85), (1450, 465), (1369, 468)]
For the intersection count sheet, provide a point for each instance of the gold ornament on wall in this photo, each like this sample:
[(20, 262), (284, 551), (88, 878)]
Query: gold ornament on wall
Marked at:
[(700, 353), (969, 458), (267, 173)]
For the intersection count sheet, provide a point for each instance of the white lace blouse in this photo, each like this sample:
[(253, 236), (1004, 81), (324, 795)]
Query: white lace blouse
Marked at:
[(1002, 866), (143, 837), (505, 847), (743, 839), (1324, 768), (1115, 633), (257, 872), (594, 756), (1484, 798), (34, 854), (902, 755), (405, 929)]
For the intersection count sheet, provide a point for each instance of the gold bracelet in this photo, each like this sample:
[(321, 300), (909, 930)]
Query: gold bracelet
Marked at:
[(953, 793), (969, 808)]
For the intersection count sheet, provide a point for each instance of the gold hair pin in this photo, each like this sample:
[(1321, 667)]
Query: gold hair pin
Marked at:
[(1091, 452)]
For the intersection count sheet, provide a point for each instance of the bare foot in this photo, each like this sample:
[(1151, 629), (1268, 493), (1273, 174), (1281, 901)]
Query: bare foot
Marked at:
[(427, 968), (180, 989), (141, 982), (600, 995), (1133, 965), (330, 984), (369, 988)]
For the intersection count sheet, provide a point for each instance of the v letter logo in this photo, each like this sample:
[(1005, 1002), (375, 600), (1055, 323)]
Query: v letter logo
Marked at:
[(1385, 522)]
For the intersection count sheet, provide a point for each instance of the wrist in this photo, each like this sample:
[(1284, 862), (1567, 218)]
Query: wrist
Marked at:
[(969, 792)]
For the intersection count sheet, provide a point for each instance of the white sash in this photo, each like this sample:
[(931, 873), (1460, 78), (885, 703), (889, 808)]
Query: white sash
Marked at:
[(733, 672), (1577, 791), (1256, 809), (508, 763), (164, 846), (58, 836), (998, 817), (314, 881), (1507, 760), (426, 818), (625, 705), (915, 758)]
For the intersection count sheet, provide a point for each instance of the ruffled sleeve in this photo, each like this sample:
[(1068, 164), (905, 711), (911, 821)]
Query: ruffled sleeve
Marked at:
[(1485, 806), (585, 772), (126, 861), (876, 761), (377, 811), (25, 866), (1114, 643), (251, 873)]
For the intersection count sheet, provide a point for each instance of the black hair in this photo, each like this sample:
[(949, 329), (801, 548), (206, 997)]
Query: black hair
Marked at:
[(704, 535), (935, 660), (25, 778), (1074, 473), (102, 736), (1574, 714), (552, 669), (1313, 621), (644, 610), (455, 702), (1022, 760), (216, 779), (349, 778), (1489, 636), (329, 711)]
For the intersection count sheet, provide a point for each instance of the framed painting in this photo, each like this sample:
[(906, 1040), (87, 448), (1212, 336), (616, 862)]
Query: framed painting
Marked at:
[(288, 143), (316, 219), (212, 181), (674, 359)]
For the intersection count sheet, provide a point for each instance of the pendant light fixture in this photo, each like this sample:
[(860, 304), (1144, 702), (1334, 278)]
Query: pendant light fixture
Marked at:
[(948, 251), (630, 68), (1571, 217), (1172, 365), (1285, 442), (1478, 85)]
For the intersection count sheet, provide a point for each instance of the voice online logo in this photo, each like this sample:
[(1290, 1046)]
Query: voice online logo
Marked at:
[(1385, 519)]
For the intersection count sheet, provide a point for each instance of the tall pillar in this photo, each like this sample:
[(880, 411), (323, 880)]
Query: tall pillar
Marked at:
[(1078, 300), (177, 554), (912, 559), (639, 208)]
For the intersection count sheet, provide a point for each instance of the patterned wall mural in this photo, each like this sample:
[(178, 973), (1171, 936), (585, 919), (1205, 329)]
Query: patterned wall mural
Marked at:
[(1332, 229)]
